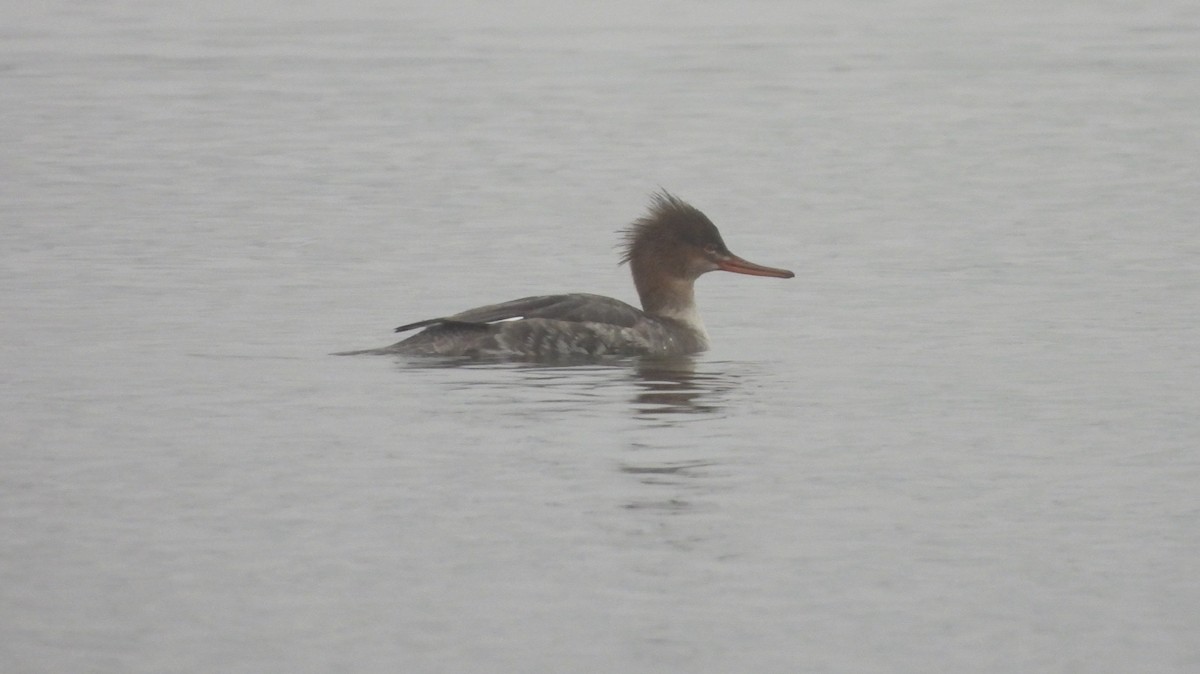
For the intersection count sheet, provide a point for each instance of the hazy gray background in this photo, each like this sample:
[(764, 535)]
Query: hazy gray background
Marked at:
[(964, 438)]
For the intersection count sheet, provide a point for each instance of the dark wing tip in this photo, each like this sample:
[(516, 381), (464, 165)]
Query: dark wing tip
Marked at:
[(419, 324)]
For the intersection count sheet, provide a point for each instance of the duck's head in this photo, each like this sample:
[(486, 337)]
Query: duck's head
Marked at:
[(671, 246)]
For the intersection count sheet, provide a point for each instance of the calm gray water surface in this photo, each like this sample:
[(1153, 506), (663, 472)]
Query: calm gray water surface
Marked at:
[(964, 438)]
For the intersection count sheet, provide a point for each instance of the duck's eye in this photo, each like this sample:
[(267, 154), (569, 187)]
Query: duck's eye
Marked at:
[(711, 249)]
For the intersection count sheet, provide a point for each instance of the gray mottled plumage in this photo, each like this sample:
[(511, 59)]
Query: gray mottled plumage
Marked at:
[(547, 327)]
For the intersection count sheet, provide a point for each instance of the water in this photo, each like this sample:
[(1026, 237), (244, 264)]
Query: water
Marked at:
[(964, 438)]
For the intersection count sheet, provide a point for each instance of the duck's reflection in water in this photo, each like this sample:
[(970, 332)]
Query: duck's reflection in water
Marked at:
[(671, 386), (675, 402), (682, 480), (668, 418)]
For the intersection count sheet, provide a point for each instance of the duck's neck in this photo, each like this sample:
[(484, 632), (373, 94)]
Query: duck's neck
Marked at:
[(673, 298)]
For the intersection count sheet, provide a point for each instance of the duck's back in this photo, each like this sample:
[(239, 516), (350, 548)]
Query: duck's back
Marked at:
[(549, 327)]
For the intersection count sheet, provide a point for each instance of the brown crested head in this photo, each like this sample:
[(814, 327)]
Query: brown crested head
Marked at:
[(675, 239), (673, 236), (673, 244)]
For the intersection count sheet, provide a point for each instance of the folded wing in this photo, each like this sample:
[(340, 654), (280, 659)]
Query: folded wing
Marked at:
[(575, 308)]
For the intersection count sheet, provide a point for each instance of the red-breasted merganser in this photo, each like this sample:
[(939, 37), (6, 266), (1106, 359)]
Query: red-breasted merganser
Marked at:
[(667, 250)]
